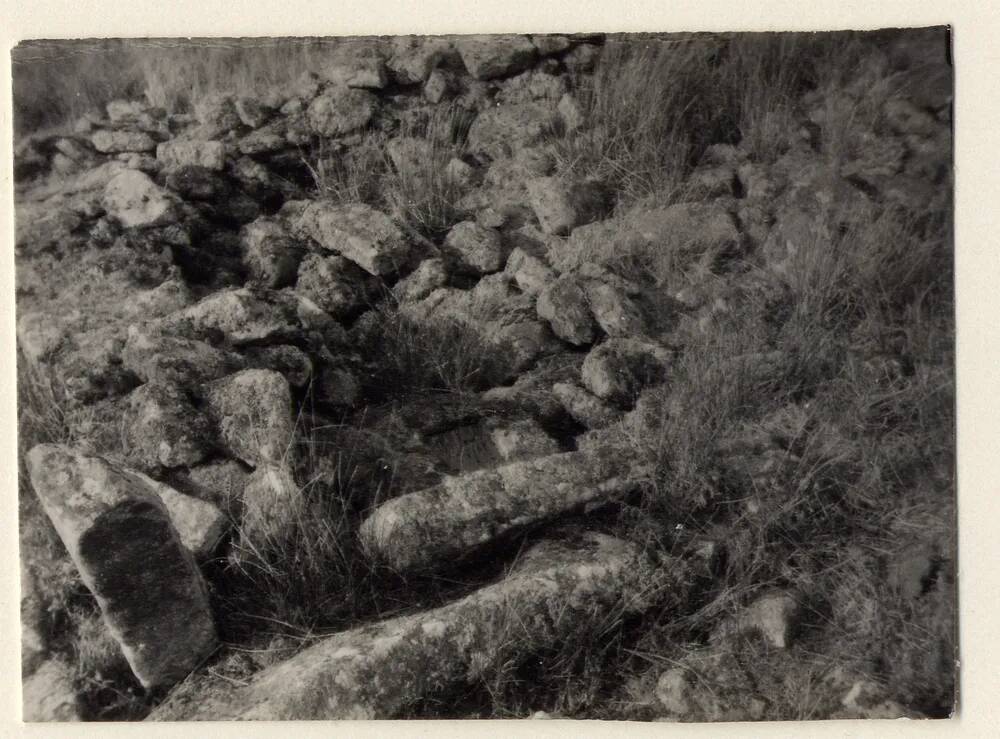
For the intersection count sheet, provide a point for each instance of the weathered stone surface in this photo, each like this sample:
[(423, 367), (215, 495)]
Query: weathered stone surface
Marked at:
[(253, 412), (772, 616), (178, 153), (619, 368), (475, 249), (523, 440), (503, 131), (439, 83), (137, 202), (270, 253), (358, 232), (585, 408), (119, 534), (163, 429), (615, 312), (160, 359), (216, 112), (431, 527), (48, 694), (338, 112), (114, 142), (334, 283), (562, 206), (199, 523), (192, 182), (244, 316), (425, 279), (530, 272), (563, 303), (555, 592), (487, 57), (357, 64), (413, 58), (289, 360), (270, 498), (252, 111), (549, 44), (219, 482)]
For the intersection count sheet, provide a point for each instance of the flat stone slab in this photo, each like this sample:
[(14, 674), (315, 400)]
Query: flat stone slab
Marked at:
[(119, 534), (434, 526), (555, 592)]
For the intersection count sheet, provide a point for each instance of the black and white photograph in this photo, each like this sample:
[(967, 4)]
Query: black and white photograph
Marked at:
[(584, 375)]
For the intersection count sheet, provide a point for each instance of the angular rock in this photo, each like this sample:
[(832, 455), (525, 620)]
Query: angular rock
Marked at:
[(125, 111), (218, 482), (488, 57), (253, 412), (335, 284), (163, 429), (358, 232), (525, 342), (503, 131), (619, 368), (439, 83), (200, 524), (270, 253), (560, 206), (115, 142), (421, 282), (159, 359), (48, 694), (523, 440), (549, 44), (338, 386), (271, 498), (531, 273), (120, 536), (357, 66), (475, 249), (338, 112), (615, 312), (563, 303), (772, 616), (555, 593), (252, 112), (216, 112), (430, 528), (584, 407), (289, 360), (136, 201), (192, 182), (208, 154)]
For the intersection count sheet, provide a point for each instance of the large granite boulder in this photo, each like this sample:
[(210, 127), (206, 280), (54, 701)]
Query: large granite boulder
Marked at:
[(119, 533), (555, 593)]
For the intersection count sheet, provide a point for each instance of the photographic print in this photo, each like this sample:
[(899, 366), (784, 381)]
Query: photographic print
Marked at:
[(584, 376)]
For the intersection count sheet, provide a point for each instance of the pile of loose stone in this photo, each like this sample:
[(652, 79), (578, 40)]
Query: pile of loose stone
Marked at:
[(179, 276)]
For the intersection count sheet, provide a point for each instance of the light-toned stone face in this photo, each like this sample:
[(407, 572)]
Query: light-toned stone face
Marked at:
[(136, 201)]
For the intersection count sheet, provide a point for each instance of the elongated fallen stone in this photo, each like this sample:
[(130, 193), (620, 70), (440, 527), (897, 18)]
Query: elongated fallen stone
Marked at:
[(553, 594), (119, 534), (433, 526)]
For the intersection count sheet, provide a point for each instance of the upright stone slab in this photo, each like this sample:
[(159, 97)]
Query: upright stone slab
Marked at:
[(432, 527), (554, 594), (120, 536)]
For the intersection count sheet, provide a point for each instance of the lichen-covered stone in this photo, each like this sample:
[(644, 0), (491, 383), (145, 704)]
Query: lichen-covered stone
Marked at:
[(48, 694), (421, 282), (270, 253), (160, 359), (615, 312), (253, 412), (619, 368), (530, 272), (431, 527), (583, 406), (136, 201), (487, 57), (270, 498), (114, 142), (562, 206), (163, 429), (475, 248), (119, 534), (555, 593), (179, 153), (334, 283), (563, 303), (200, 523), (338, 112), (358, 232)]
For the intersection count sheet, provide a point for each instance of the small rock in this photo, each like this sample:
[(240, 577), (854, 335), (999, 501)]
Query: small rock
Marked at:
[(488, 57), (619, 368), (425, 279), (48, 694), (772, 616), (163, 429), (571, 112), (216, 112), (438, 85), (339, 112), (584, 407), (271, 498), (333, 283), (208, 154), (549, 44), (114, 142), (252, 112), (358, 232), (671, 690), (270, 253), (475, 249), (563, 303), (253, 412), (290, 361), (199, 523), (560, 207), (615, 312), (137, 202)]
